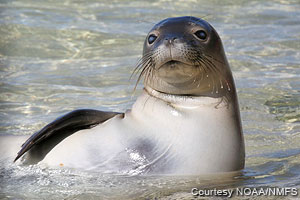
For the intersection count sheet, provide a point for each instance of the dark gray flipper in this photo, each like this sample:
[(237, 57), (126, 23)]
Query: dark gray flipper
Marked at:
[(43, 141)]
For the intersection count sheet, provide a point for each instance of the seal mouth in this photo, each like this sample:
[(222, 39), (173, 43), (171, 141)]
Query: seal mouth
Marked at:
[(173, 64)]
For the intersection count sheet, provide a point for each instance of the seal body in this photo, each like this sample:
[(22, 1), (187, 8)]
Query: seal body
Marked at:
[(186, 121), (184, 136)]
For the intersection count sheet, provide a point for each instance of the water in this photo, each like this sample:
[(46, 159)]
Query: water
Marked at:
[(57, 56)]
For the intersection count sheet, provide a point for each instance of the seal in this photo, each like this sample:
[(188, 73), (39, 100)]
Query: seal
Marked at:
[(186, 120)]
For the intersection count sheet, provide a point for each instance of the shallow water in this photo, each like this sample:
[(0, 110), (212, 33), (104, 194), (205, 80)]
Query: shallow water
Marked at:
[(57, 56)]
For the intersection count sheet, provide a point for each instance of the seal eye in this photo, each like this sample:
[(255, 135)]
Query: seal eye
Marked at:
[(151, 38), (201, 34)]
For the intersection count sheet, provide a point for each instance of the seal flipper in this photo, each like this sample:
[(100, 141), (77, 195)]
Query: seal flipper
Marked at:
[(43, 141)]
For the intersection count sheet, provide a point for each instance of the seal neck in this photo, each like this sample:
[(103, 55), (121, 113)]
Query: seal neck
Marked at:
[(184, 100)]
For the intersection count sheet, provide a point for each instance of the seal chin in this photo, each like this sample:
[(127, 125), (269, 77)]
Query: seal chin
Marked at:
[(173, 77), (175, 72), (178, 78)]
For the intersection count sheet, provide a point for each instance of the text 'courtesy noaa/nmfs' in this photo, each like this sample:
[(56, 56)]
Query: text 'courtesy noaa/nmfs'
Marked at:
[(246, 191)]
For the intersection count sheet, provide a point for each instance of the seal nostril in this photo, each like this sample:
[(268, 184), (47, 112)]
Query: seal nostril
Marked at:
[(170, 40)]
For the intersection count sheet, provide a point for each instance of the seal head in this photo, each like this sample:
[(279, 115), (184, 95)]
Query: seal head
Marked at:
[(185, 56)]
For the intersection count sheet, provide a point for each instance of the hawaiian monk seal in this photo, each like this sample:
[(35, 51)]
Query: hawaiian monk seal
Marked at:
[(186, 121)]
